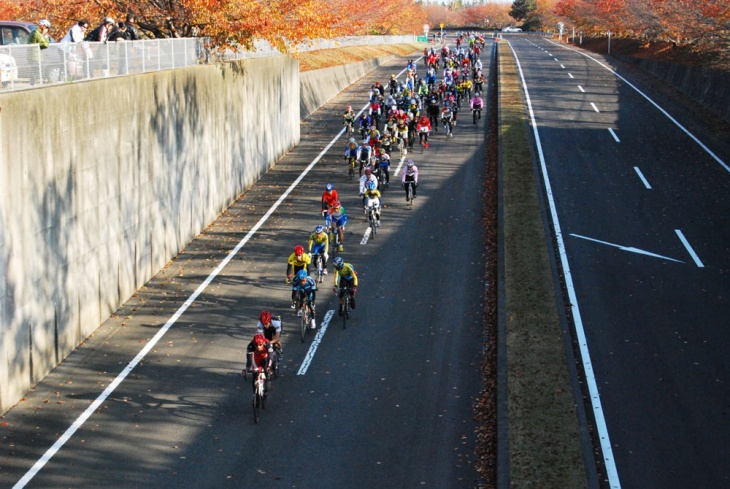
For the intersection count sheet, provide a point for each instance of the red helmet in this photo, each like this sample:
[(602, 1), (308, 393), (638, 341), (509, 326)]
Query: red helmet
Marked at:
[(298, 250), (265, 317), (259, 339), (368, 171)]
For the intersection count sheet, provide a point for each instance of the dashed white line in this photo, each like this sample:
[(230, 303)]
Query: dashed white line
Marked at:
[(571, 75), (562, 66), (315, 342), (641, 176), (581, 89), (366, 236), (594, 107), (691, 251), (613, 133)]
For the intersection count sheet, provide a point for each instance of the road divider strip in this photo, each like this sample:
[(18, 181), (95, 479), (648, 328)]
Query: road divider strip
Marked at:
[(316, 342)]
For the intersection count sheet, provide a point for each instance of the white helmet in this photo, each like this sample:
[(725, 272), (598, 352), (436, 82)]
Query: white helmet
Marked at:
[(44, 23)]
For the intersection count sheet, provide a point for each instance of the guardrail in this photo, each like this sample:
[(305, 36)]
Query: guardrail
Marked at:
[(28, 66)]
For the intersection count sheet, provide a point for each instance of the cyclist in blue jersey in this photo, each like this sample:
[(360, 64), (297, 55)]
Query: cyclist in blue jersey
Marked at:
[(336, 220)]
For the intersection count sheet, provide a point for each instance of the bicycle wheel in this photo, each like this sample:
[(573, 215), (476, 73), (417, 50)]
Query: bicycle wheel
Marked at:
[(256, 407), (320, 268), (371, 219), (345, 309), (409, 196), (304, 324)]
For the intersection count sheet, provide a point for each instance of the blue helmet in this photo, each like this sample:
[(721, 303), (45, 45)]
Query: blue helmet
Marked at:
[(329, 186), (372, 185), (302, 275), (339, 263), (319, 229)]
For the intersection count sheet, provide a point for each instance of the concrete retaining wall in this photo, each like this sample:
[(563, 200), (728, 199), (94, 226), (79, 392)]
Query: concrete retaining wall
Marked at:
[(319, 86), (710, 88), (102, 183)]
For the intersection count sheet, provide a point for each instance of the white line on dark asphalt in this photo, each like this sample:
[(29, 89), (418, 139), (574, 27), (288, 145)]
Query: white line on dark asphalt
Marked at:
[(594, 107), (613, 133), (590, 377), (626, 248), (571, 75), (366, 236), (658, 107), (691, 251), (581, 89), (641, 175), (315, 343), (563, 67), (33, 471)]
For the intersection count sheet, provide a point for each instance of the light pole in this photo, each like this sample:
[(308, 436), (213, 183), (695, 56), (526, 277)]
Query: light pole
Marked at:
[(609, 42)]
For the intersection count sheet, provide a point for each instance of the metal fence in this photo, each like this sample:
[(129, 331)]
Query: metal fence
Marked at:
[(25, 66)]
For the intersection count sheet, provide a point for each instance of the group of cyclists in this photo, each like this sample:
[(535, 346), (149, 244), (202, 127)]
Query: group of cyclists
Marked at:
[(411, 107)]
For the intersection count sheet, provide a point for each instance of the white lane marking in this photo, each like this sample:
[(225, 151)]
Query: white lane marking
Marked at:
[(627, 248), (562, 66), (680, 126), (581, 89), (641, 176), (400, 164), (366, 236), (603, 436), (315, 342), (571, 75), (33, 471), (595, 108), (691, 250), (613, 133)]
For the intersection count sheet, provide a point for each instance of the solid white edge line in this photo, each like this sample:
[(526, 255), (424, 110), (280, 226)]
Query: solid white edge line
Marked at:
[(615, 136), (680, 126), (33, 471), (316, 342), (641, 176), (691, 250), (605, 441)]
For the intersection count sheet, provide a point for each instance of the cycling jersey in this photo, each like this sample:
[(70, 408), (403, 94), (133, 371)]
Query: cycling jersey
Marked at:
[(329, 197), (309, 286), (411, 174), (348, 273), (299, 262), (338, 217), (476, 103), (272, 330), (319, 242)]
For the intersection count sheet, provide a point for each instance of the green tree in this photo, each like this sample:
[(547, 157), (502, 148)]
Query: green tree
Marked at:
[(522, 9)]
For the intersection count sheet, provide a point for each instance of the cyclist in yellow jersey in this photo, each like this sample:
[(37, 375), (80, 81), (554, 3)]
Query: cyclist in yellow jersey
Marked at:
[(345, 277), (319, 243), (297, 261)]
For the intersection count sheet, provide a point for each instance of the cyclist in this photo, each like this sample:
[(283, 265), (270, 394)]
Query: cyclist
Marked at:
[(329, 197), (384, 161), (345, 276), (366, 178), (433, 109), (372, 199), (305, 288), (349, 117), (410, 177), (423, 127), (364, 155), (476, 104), (259, 356), (270, 327), (336, 220), (364, 123), (447, 118), (351, 150), (319, 245), (297, 262), (393, 84)]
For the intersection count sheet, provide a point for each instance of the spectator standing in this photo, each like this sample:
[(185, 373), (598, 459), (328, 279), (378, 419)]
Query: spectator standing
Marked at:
[(101, 33), (132, 33), (75, 35), (39, 36)]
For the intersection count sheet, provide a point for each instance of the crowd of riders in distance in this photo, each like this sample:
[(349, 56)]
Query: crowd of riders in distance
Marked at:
[(403, 110)]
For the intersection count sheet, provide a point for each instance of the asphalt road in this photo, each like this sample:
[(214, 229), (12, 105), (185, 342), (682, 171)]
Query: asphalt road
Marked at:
[(387, 402), (643, 209)]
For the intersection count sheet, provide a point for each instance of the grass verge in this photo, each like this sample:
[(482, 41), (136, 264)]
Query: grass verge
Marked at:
[(543, 434)]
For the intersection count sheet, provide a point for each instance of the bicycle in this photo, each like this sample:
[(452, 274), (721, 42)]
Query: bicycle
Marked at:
[(409, 192), (476, 113), (259, 392), (350, 128), (351, 162), (307, 314), (372, 221), (449, 128), (319, 267), (346, 307), (334, 238)]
